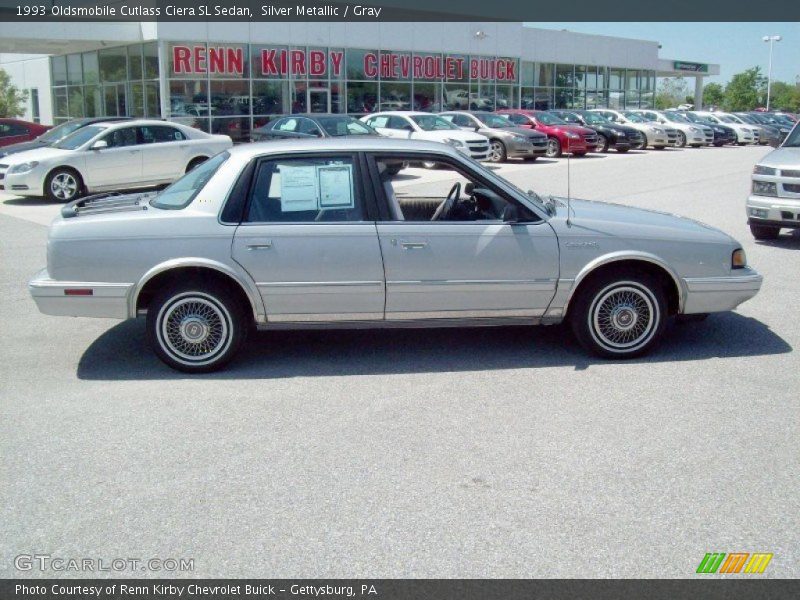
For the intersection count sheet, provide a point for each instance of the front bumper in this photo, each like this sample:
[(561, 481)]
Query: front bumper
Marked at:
[(23, 184), (772, 210), (719, 294), (95, 299), (526, 150)]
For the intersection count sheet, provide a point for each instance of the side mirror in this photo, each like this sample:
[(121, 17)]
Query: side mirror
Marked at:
[(99, 145), (510, 214), (476, 128)]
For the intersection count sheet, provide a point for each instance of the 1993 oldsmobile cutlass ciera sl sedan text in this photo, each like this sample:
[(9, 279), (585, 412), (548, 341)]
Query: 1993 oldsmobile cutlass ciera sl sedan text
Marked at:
[(300, 234)]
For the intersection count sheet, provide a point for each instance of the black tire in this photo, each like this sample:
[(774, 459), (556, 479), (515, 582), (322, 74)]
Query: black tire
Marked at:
[(63, 185), (681, 141), (185, 315), (764, 232), (196, 161), (622, 150), (718, 144), (658, 147), (553, 148), (619, 315), (603, 143), (497, 151), (529, 158)]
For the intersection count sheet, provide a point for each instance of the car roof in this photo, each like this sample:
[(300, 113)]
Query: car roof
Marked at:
[(134, 122), (403, 113), (344, 144)]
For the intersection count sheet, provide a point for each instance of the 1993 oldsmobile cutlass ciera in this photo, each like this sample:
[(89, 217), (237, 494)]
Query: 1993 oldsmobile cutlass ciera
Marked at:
[(307, 234)]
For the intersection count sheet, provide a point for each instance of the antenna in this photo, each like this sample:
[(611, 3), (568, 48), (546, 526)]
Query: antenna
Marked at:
[(569, 191)]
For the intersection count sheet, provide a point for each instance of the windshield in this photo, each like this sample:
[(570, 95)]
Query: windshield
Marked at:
[(727, 119), (339, 126), (676, 118), (491, 120), (432, 123), (747, 119), (693, 117), (181, 193), (594, 119), (548, 119), (80, 137), (59, 132), (793, 139), (635, 117)]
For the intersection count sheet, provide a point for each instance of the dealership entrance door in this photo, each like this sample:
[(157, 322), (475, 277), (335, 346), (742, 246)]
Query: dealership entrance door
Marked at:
[(319, 100)]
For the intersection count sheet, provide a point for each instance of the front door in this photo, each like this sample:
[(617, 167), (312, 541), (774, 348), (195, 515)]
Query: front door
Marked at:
[(319, 100), (118, 164), (309, 241), (453, 251)]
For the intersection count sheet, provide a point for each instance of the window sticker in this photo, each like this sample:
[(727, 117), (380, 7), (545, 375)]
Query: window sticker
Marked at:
[(335, 186), (298, 188)]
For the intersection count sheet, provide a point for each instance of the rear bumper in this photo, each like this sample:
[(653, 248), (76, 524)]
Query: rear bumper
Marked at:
[(718, 294), (106, 300)]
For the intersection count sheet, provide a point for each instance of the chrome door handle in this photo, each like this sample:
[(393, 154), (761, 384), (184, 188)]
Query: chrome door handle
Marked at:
[(134, 151), (264, 246), (413, 245)]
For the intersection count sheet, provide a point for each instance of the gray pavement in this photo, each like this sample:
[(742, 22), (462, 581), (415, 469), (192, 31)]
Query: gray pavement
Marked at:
[(455, 453)]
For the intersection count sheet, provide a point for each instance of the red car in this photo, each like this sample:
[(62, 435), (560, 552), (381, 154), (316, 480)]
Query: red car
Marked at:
[(562, 136), (13, 131)]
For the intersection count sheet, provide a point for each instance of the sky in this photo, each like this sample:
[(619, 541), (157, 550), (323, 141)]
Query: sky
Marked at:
[(734, 46)]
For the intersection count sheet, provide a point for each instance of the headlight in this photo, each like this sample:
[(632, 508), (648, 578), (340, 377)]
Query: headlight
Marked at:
[(762, 170), (521, 140), (454, 143), (657, 130), (765, 188), (620, 134), (694, 130), (738, 259), (573, 136), (23, 167)]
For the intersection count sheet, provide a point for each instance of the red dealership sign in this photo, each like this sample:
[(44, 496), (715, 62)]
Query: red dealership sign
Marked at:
[(281, 62)]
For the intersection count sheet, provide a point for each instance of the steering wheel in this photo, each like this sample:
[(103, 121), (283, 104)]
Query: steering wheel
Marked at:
[(446, 207)]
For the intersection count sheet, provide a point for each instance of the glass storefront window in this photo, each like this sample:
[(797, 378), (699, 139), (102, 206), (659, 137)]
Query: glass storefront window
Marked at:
[(481, 96), (395, 96), (362, 97), (428, 97), (237, 128), (270, 97), (75, 101), (616, 99), (395, 66), (59, 70), (457, 68), (616, 79), (135, 62), (565, 76), (152, 99), (543, 99), (91, 68), (602, 78), (527, 73), (299, 104), (456, 96), (74, 69), (269, 62), (361, 64), (60, 103), (633, 80), (506, 96), (93, 101), (564, 98), (545, 75), (632, 99), (230, 98), (526, 98), (150, 54), (137, 100), (188, 103), (113, 64), (427, 66)]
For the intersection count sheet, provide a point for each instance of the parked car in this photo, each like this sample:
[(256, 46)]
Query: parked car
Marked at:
[(426, 126), (55, 134), (767, 134), (109, 156), (766, 119), (306, 233), (14, 131), (744, 133), (657, 135), (722, 133), (689, 134), (506, 139), (774, 200), (609, 135), (561, 136), (311, 125)]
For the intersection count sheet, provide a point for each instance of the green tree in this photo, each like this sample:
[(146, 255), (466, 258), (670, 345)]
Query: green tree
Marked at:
[(671, 92), (12, 99), (713, 94), (785, 96), (745, 90)]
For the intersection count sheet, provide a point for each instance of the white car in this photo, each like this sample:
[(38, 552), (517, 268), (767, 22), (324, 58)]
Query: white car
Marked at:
[(745, 134), (689, 134), (658, 136), (109, 156), (426, 126)]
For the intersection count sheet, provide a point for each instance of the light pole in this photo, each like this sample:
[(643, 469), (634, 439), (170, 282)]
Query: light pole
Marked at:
[(771, 39)]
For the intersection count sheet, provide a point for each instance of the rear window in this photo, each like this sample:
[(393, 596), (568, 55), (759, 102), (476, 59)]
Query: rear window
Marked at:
[(181, 193)]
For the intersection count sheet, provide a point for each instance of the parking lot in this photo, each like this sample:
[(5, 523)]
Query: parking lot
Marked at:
[(435, 453)]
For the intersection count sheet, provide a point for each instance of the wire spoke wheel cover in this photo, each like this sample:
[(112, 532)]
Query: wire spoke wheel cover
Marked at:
[(194, 328), (623, 317), (64, 186)]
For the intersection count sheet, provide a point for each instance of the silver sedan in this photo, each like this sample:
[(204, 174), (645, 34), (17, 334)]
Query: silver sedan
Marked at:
[(300, 234)]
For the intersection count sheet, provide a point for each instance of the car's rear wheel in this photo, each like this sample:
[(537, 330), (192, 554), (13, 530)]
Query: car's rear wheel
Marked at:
[(619, 315), (553, 148), (63, 185), (602, 143), (764, 232), (681, 143), (195, 162), (497, 151), (196, 327)]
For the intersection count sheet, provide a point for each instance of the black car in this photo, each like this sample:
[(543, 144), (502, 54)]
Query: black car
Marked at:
[(722, 133), (311, 125), (56, 134), (609, 135)]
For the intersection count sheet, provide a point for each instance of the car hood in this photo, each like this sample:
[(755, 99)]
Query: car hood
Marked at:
[(520, 131), (21, 147), (40, 154), (579, 129), (616, 219), (782, 158), (452, 134)]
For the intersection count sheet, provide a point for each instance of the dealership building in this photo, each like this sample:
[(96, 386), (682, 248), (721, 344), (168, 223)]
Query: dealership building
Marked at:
[(231, 77)]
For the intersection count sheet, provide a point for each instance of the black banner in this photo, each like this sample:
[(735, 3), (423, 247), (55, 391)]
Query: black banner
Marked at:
[(398, 589), (397, 10)]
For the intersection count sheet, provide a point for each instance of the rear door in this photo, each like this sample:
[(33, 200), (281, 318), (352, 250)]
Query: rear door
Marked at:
[(165, 152), (308, 239)]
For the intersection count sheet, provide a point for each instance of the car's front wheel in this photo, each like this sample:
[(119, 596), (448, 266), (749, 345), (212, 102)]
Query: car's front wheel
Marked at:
[(63, 185), (602, 143), (681, 143), (196, 327), (764, 232), (497, 152), (553, 148), (619, 315)]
